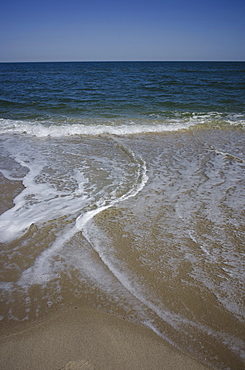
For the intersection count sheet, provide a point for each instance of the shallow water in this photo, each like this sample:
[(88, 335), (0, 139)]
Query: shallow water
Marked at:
[(140, 217)]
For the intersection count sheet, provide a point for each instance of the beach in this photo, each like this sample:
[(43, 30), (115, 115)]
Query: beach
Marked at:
[(122, 215), (86, 339)]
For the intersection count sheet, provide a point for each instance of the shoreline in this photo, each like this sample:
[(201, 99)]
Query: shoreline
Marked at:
[(87, 339)]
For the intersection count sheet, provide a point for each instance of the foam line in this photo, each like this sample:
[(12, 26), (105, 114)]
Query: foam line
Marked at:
[(40, 130), (8, 176), (173, 319), (40, 271)]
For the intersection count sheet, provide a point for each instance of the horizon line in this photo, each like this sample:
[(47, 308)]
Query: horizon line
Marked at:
[(126, 61)]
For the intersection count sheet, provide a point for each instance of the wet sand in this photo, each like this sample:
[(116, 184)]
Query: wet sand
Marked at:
[(87, 339)]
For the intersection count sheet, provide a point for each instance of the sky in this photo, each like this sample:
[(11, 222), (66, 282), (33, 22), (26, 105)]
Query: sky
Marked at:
[(120, 30)]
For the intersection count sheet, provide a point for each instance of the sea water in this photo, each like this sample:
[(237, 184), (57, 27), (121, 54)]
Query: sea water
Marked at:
[(122, 189)]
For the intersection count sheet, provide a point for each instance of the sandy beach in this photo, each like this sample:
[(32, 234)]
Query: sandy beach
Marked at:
[(122, 192), (87, 339)]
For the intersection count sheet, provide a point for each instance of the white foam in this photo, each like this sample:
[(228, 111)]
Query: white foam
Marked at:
[(38, 201), (119, 127), (41, 271), (42, 130), (7, 175)]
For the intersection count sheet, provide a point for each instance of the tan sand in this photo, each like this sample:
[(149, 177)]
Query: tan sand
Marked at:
[(86, 339)]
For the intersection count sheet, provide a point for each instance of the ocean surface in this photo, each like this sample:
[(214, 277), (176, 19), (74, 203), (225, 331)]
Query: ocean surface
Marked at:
[(122, 189)]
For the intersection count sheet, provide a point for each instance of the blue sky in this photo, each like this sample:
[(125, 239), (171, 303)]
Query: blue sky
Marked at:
[(78, 30)]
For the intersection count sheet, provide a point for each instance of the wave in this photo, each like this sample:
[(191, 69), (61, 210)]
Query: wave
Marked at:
[(118, 127), (58, 131), (40, 130)]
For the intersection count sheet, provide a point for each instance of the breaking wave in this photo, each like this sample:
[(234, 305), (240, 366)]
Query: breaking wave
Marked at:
[(118, 127)]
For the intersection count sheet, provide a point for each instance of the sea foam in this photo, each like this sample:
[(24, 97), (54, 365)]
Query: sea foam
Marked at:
[(39, 130)]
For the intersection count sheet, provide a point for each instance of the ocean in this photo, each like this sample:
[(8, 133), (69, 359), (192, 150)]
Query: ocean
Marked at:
[(122, 189)]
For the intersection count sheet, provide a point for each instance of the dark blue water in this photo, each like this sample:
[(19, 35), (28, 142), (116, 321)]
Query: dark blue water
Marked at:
[(126, 90)]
